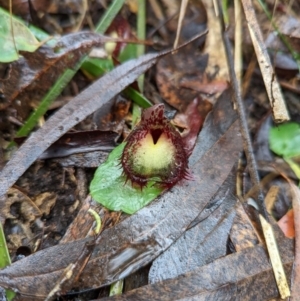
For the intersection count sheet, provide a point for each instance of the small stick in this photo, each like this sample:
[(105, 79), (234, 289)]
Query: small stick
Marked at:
[(180, 21), (242, 116), (263, 216), (97, 220), (276, 262), (280, 113)]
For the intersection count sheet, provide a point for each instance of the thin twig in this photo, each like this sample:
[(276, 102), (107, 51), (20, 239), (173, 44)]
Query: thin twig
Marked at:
[(242, 116), (158, 12), (180, 21), (263, 216), (275, 259), (85, 7)]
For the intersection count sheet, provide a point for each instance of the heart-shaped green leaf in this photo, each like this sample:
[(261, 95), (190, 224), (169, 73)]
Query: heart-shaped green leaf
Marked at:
[(285, 139), (108, 187)]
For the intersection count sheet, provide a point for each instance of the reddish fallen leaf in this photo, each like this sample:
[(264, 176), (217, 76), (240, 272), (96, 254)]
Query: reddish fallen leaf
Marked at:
[(286, 224), (204, 86), (170, 72), (110, 117), (191, 121)]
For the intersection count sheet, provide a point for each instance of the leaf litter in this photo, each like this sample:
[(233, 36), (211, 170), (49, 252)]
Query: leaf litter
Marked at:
[(23, 39), (88, 101), (27, 74), (150, 231), (245, 274)]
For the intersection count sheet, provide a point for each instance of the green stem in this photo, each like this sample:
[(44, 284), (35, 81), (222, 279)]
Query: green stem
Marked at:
[(52, 94), (141, 33), (294, 166), (225, 12)]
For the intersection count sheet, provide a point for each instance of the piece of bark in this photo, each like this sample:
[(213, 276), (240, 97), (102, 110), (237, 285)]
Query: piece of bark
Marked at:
[(82, 223), (242, 233), (88, 160), (245, 275), (204, 242)]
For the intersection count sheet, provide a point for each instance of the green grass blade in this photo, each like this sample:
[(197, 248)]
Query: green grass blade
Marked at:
[(141, 33), (140, 50), (5, 259), (137, 97), (96, 67), (53, 93), (110, 14)]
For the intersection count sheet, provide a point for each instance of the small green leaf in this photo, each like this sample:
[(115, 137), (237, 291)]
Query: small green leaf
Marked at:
[(128, 53), (285, 139), (108, 187), (137, 97), (97, 67), (294, 166), (19, 38)]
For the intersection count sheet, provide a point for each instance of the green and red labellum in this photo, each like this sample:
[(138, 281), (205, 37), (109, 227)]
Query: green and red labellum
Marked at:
[(154, 151)]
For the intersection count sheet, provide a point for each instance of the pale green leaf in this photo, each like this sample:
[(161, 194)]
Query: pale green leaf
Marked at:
[(19, 38), (285, 139)]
